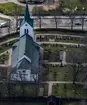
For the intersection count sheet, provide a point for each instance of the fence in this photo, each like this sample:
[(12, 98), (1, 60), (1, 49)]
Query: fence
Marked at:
[(64, 22)]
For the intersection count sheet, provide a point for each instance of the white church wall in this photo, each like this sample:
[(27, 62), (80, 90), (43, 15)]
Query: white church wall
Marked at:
[(30, 30), (24, 75)]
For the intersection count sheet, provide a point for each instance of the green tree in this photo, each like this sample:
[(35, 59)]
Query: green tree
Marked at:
[(38, 10)]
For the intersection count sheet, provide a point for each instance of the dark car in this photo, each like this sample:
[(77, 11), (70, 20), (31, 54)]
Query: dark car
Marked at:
[(33, 1), (78, 24)]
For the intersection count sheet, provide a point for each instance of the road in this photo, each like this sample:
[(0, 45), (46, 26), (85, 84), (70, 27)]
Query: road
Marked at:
[(50, 34), (45, 23), (61, 43)]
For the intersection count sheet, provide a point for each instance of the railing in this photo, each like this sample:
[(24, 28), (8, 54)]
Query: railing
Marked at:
[(64, 22), (77, 23)]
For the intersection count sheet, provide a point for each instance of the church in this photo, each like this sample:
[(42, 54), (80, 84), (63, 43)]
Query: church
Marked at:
[(27, 55)]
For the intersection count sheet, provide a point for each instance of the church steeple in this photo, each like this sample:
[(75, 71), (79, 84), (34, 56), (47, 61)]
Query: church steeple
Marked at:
[(27, 16), (27, 24)]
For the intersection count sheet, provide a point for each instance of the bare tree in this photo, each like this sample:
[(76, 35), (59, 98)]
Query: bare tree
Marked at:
[(77, 64), (16, 12)]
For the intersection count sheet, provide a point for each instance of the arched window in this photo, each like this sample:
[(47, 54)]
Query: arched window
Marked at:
[(27, 31)]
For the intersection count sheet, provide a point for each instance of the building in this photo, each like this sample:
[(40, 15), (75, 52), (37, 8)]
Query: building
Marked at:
[(27, 55)]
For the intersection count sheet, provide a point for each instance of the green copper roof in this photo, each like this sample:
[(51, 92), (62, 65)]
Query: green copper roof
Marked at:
[(27, 16)]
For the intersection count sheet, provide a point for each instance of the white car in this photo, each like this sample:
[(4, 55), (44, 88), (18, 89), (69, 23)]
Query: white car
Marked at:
[(4, 24)]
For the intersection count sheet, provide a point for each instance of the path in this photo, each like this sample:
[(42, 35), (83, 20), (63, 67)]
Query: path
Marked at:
[(50, 89), (8, 40), (62, 43), (77, 36)]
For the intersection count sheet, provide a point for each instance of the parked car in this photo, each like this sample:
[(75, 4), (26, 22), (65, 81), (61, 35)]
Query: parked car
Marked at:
[(4, 24), (78, 23), (33, 1)]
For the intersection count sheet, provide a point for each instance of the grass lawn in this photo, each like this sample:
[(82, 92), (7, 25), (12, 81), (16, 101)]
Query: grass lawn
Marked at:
[(6, 46), (72, 4), (8, 37), (11, 9), (72, 103), (27, 89), (45, 90), (62, 73), (69, 90), (4, 58), (23, 103), (58, 74), (70, 50), (24, 89)]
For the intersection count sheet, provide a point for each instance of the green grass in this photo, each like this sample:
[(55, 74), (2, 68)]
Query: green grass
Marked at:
[(69, 90), (62, 73), (4, 58), (22, 0), (72, 103), (70, 50), (6, 46), (11, 9), (27, 89), (72, 4), (45, 90)]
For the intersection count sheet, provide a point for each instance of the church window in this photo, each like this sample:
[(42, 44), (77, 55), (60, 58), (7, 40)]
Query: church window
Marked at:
[(27, 31)]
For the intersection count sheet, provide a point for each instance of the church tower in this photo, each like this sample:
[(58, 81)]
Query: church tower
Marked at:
[(27, 24), (26, 53)]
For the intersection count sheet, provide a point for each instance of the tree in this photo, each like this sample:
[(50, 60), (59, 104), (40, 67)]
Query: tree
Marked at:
[(77, 64), (38, 10), (84, 41), (16, 12)]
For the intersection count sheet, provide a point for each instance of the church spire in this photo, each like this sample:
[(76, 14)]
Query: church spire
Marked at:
[(27, 16)]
